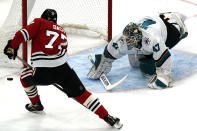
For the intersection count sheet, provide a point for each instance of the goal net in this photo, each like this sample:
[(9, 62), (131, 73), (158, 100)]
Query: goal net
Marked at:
[(92, 18)]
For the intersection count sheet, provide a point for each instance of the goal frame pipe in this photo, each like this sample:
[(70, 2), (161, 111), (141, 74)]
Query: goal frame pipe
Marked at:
[(109, 20), (24, 23)]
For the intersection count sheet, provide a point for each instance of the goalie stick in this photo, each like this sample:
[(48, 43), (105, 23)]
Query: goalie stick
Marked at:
[(104, 79), (28, 65)]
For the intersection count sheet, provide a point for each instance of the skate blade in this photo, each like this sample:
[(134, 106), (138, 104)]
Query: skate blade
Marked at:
[(38, 112), (118, 125)]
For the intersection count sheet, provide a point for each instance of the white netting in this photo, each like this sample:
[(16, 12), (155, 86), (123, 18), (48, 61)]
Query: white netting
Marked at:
[(84, 17), (83, 14), (7, 31)]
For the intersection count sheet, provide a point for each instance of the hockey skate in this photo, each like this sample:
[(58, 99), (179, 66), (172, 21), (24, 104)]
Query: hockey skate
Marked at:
[(35, 108), (114, 122)]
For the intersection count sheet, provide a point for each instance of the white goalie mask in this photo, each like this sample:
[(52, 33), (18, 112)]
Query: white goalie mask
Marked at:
[(132, 35)]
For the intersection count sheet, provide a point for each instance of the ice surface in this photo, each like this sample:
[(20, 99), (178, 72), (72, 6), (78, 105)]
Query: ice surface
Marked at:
[(143, 109)]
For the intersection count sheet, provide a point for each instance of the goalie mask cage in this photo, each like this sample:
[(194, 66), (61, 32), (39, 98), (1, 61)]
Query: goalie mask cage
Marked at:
[(95, 16)]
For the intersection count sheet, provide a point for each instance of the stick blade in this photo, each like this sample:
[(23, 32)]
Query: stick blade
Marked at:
[(116, 84)]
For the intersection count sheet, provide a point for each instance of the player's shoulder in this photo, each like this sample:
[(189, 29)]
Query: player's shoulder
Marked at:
[(37, 20), (49, 24), (43, 21)]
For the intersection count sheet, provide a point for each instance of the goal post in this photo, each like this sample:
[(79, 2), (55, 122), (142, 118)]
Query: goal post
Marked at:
[(94, 16), (24, 23), (109, 20)]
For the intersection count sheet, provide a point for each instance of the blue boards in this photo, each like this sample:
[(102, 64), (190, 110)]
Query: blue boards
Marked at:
[(183, 65)]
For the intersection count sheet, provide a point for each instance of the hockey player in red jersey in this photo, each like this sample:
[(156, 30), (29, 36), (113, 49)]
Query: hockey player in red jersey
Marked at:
[(48, 57)]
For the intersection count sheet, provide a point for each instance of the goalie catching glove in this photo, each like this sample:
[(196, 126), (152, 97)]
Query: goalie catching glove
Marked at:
[(9, 51), (100, 66), (160, 80)]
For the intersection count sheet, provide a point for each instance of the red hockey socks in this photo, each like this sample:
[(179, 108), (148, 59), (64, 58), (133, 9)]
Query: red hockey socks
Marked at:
[(27, 82), (32, 93), (93, 104)]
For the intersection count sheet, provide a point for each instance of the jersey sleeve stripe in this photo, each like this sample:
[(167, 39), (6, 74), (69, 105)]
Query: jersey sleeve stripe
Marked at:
[(163, 58), (25, 34), (39, 54), (107, 54), (48, 57)]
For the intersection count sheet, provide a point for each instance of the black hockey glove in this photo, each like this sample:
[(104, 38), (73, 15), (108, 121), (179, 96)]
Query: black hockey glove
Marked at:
[(9, 51)]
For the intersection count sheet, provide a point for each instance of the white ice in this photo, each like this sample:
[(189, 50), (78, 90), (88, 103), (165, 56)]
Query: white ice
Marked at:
[(171, 109)]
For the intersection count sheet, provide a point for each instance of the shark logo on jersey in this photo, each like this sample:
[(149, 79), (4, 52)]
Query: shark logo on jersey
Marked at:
[(146, 23)]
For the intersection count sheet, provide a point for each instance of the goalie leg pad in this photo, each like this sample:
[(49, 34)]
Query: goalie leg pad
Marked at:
[(147, 66), (158, 83), (160, 80), (161, 83), (176, 29), (101, 65)]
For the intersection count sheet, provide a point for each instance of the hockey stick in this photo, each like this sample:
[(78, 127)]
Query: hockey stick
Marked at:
[(28, 65), (104, 79)]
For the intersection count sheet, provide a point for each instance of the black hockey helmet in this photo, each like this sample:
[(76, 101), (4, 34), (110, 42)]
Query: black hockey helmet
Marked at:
[(50, 14)]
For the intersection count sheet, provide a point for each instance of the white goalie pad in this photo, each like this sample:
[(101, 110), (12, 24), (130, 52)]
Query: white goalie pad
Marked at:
[(102, 66), (178, 19), (161, 80)]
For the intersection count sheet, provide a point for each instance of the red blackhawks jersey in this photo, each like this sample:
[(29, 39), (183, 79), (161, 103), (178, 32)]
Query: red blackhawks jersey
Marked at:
[(49, 43)]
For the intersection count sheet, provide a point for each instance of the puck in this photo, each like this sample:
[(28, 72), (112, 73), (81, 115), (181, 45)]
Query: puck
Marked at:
[(9, 79)]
